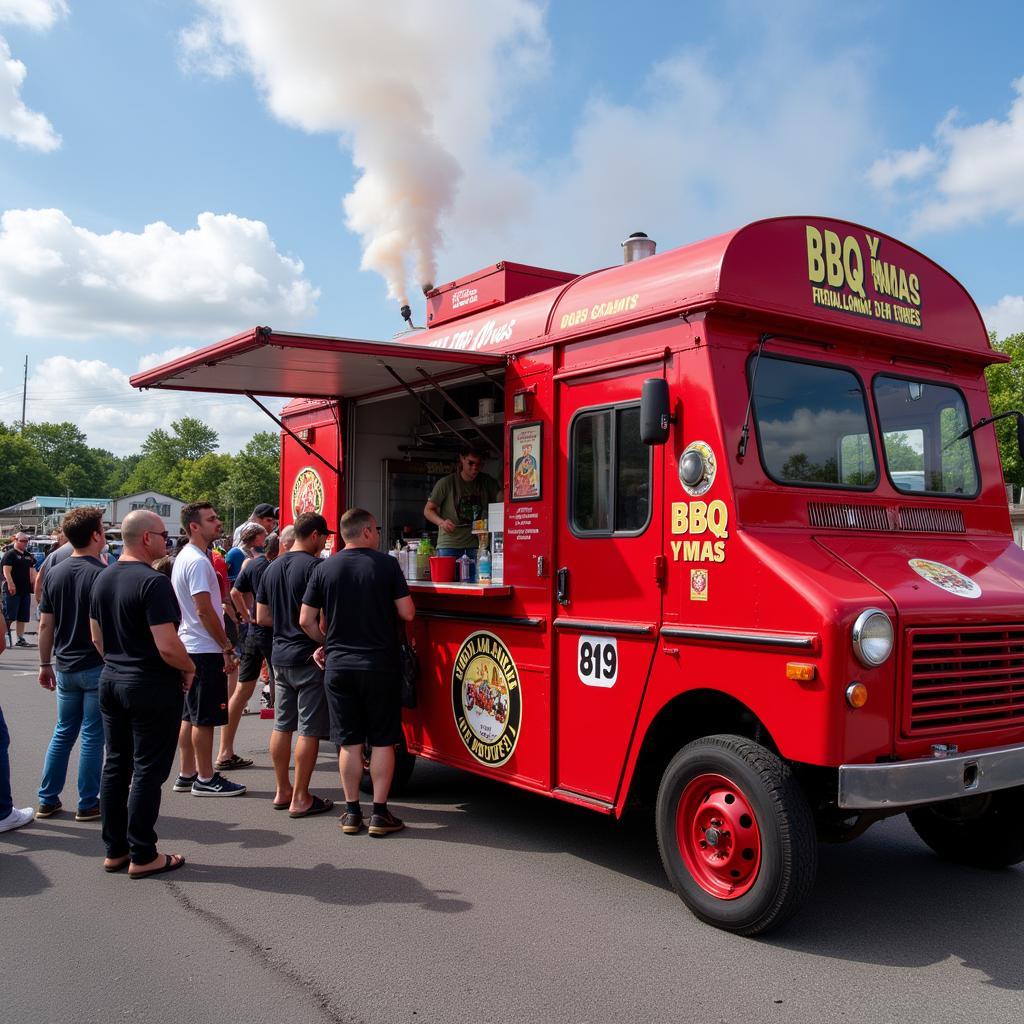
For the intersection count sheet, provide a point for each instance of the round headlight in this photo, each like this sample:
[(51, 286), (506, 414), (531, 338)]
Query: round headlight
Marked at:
[(872, 637), (691, 469)]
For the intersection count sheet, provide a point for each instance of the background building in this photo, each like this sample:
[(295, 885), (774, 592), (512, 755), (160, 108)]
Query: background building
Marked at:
[(166, 506)]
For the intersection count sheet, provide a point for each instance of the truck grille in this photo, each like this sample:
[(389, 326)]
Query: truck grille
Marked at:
[(964, 679), (933, 520), (847, 517)]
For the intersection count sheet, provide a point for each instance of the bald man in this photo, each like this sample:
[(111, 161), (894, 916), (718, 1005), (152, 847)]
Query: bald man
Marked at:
[(134, 619)]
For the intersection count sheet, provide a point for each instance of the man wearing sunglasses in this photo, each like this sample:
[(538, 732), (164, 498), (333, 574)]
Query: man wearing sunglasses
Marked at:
[(459, 499)]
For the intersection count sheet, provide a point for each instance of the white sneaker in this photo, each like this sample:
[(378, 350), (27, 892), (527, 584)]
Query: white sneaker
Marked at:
[(18, 817)]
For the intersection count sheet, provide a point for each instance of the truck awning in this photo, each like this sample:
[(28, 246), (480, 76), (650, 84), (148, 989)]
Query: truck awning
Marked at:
[(263, 362)]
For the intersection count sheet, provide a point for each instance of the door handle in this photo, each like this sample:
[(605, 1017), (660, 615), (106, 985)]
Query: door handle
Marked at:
[(562, 585)]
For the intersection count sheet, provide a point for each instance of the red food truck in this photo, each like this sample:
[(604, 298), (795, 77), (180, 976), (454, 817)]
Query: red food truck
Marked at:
[(758, 563)]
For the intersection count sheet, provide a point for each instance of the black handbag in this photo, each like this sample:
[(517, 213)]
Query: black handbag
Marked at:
[(410, 666)]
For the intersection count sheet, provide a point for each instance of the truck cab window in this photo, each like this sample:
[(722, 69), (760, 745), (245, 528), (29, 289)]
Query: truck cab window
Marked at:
[(919, 422), (812, 425), (611, 472)]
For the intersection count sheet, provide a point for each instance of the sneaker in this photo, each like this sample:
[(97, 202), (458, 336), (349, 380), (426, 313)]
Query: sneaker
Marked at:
[(22, 642), (385, 824), (19, 816), (88, 814), (48, 810), (233, 763), (351, 823), (183, 783), (217, 786)]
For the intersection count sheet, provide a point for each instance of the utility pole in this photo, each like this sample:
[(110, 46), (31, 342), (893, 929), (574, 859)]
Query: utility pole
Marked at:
[(24, 395)]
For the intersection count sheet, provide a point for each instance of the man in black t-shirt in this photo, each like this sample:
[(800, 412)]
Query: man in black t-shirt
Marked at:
[(66, 643), (362, 595), (19, 568), (134, 622), (299, 703)]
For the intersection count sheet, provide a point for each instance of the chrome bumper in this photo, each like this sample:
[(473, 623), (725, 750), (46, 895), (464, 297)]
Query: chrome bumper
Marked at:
[(929, 780)]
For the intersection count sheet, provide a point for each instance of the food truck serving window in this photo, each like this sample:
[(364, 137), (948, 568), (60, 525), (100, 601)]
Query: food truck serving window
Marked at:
[(920, 422), (611, 472), (812, 424)]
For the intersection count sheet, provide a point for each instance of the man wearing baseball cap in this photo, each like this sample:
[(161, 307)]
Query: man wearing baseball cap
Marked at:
[(19, 567), (263, 514)]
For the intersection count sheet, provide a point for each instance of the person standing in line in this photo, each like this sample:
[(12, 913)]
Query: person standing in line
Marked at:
[(459, 499), (60, 550), (255, 649), (11, 817), (263, 514), (361, 594), (65, 642), (253, 539), (202, 632), (299, 703), (134, 623), (19, 566)]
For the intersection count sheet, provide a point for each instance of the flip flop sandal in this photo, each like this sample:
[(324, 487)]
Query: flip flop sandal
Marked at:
[(233, 763), (282, 806), (112, 868), (172, 861), (318, 806)]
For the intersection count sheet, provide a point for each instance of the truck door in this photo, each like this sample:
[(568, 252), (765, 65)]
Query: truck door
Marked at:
[(609, 543)]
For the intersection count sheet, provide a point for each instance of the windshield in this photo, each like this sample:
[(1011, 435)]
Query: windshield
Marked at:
[(919, 422), (812, 424)]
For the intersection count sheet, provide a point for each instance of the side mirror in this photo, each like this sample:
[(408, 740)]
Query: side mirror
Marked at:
[(655, 411)]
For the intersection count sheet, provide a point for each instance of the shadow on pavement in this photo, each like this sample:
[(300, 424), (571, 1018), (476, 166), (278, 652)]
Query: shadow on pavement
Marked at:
[(330, 884), (20, 877)]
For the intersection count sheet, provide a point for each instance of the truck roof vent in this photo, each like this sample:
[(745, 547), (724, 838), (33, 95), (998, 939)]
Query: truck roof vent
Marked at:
[(847, 517), (637, 247), (931, 520)]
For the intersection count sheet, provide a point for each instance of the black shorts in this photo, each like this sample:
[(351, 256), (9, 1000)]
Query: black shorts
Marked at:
[(206, 703), (253, 656), (231, 631), (18, 607), (365, 706)]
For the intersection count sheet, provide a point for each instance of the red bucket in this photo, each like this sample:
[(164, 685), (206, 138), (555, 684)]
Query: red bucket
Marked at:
[(442, 569)]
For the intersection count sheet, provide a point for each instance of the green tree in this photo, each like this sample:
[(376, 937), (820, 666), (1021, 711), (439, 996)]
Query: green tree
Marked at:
[(25, 473), (1006, 390), (200, 479), (254, 477), (193, 438)]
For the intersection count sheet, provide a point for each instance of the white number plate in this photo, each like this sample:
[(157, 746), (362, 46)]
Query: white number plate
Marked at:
[(597, 660)]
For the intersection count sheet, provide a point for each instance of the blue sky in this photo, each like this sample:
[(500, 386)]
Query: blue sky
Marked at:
[(541, 133)]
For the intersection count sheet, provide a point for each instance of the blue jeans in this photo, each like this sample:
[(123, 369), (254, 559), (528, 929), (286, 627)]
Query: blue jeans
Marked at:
[(78, 711), (6, 803)]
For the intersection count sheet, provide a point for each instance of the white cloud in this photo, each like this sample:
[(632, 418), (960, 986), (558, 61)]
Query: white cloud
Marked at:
[(98, 398), (1006, 317), (411, 93), (37, 14), (58, 279), (151, 359), (25, 127), (700, 151), (976, 171), (906, 165)]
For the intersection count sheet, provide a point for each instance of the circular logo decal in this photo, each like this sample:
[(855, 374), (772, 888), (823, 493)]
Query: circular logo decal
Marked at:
[(707, 456), (307, 492), (486, 698), (945, 577)]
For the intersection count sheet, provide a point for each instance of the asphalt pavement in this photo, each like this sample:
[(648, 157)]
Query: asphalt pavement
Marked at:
[(493, 905)]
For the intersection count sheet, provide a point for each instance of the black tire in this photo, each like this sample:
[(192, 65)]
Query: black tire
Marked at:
[(404, 764), (783, 828), (985, 831)]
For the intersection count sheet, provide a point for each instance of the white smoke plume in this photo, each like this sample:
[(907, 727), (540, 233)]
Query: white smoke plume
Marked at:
[(413, 88)]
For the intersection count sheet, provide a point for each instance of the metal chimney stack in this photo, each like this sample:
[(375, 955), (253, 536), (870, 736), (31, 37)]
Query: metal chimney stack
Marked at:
[(637, 247)]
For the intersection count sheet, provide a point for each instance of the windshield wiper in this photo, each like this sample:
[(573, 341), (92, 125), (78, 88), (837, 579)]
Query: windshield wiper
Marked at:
[(985, 421), (745, 432)]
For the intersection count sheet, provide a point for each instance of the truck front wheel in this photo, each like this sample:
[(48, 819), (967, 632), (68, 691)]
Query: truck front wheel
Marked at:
[(985, 831), (736, 835)]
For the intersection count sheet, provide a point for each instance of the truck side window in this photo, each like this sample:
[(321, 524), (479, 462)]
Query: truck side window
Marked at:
[(812, 424), (920, 421), (611, 472)]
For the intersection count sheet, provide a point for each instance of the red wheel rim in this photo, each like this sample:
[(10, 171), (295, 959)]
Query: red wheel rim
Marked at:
[(718, 836)]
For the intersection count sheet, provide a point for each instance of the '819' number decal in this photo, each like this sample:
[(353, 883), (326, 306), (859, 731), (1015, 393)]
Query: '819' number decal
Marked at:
[(597, 661)]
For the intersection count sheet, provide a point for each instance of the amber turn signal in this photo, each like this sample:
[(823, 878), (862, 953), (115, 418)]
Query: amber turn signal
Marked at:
[(856, 695), (800, 671)]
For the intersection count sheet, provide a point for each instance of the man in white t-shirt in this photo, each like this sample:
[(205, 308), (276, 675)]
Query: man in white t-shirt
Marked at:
[(202, 632)]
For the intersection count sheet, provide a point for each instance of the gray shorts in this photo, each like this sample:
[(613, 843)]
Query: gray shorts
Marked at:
[(300, 704)]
